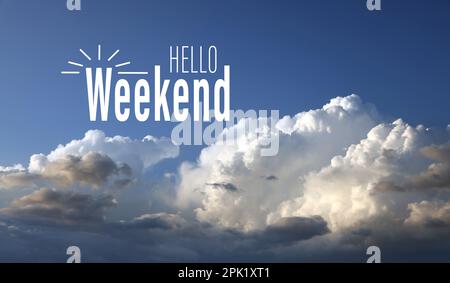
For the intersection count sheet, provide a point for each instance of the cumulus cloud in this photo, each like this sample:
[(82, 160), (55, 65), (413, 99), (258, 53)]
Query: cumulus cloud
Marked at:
[(438, 152), (83, 178), (92, 161), (11, 169), (429, 213), (308, 141), (17, 179), (368, 181), (60, 207), (138, 154), (91, 169), (435, 177), (344, 179)]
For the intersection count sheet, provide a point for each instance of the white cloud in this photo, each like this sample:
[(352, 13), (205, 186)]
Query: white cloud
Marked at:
[(90, 162), (308, 141), (78, 172), (139, 154), (12, 169), (342, 192), (332, 163), (342, 180)]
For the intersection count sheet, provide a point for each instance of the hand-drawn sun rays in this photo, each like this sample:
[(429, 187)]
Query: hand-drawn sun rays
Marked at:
[(99, 58)]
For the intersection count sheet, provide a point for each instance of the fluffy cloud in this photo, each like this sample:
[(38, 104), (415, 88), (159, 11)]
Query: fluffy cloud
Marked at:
[(138, 154), (17, 179), (308, 141), (83, 178), (94, 161), (338, 163), (11, 169), (348, 190), (92, 169), (60, 207), (344, 179)]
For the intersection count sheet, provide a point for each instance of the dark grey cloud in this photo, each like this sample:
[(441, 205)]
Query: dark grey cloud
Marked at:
[(291, 229), (154, 238), (271, 178), (436, 176), (92, 169), (224, 186), (164, 221), (437, 152), (60, 207), (122, 183), (389, 186)]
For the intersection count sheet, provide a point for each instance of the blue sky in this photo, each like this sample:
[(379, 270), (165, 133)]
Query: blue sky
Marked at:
[(291, 56)]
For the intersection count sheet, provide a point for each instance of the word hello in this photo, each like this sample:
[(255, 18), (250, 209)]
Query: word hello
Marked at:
[(185, 58)]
